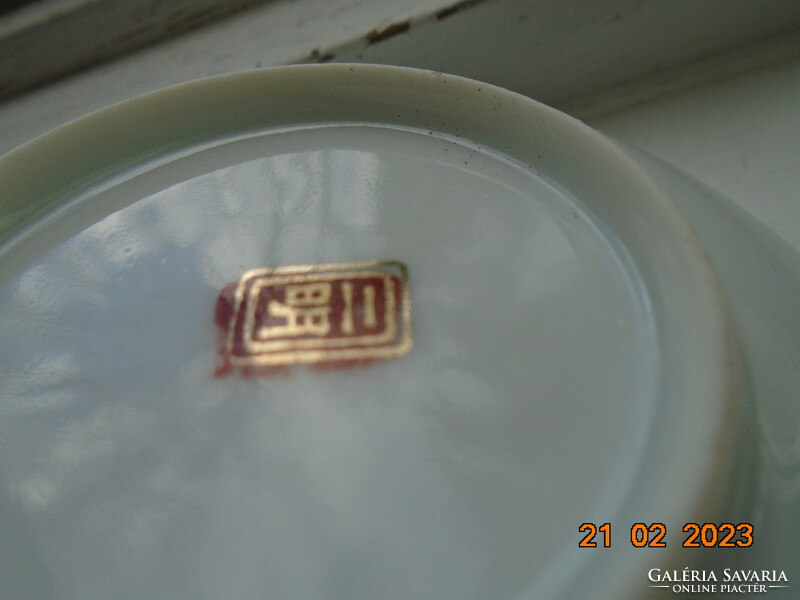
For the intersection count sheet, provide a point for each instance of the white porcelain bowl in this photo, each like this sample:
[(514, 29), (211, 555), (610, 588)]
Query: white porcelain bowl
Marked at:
[(573, 359)]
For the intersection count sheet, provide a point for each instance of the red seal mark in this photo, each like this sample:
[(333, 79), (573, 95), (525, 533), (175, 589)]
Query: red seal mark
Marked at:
[(325, 315)]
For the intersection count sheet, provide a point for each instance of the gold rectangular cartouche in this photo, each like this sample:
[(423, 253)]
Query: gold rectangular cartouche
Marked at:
[(346, 312)]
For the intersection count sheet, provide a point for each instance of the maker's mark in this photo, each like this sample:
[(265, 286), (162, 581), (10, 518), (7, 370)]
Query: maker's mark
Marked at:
[(333, 313)]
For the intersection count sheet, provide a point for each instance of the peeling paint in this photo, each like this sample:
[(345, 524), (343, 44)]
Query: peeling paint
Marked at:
[(456, 8), (319, 57), (375, 36)]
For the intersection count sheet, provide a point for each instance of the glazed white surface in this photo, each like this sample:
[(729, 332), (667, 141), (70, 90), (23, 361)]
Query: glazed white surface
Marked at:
[(529, 392), (761, 277), (585, 200)]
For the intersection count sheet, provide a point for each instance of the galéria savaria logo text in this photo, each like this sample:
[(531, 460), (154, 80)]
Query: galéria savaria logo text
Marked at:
[(726, 581)]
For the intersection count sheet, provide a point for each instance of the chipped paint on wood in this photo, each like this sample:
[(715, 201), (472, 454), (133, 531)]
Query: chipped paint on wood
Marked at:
[(319, 57), (456, 8), (375, 36)]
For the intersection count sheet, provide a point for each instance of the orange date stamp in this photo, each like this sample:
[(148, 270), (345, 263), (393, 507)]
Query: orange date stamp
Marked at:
[(653, 535)]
